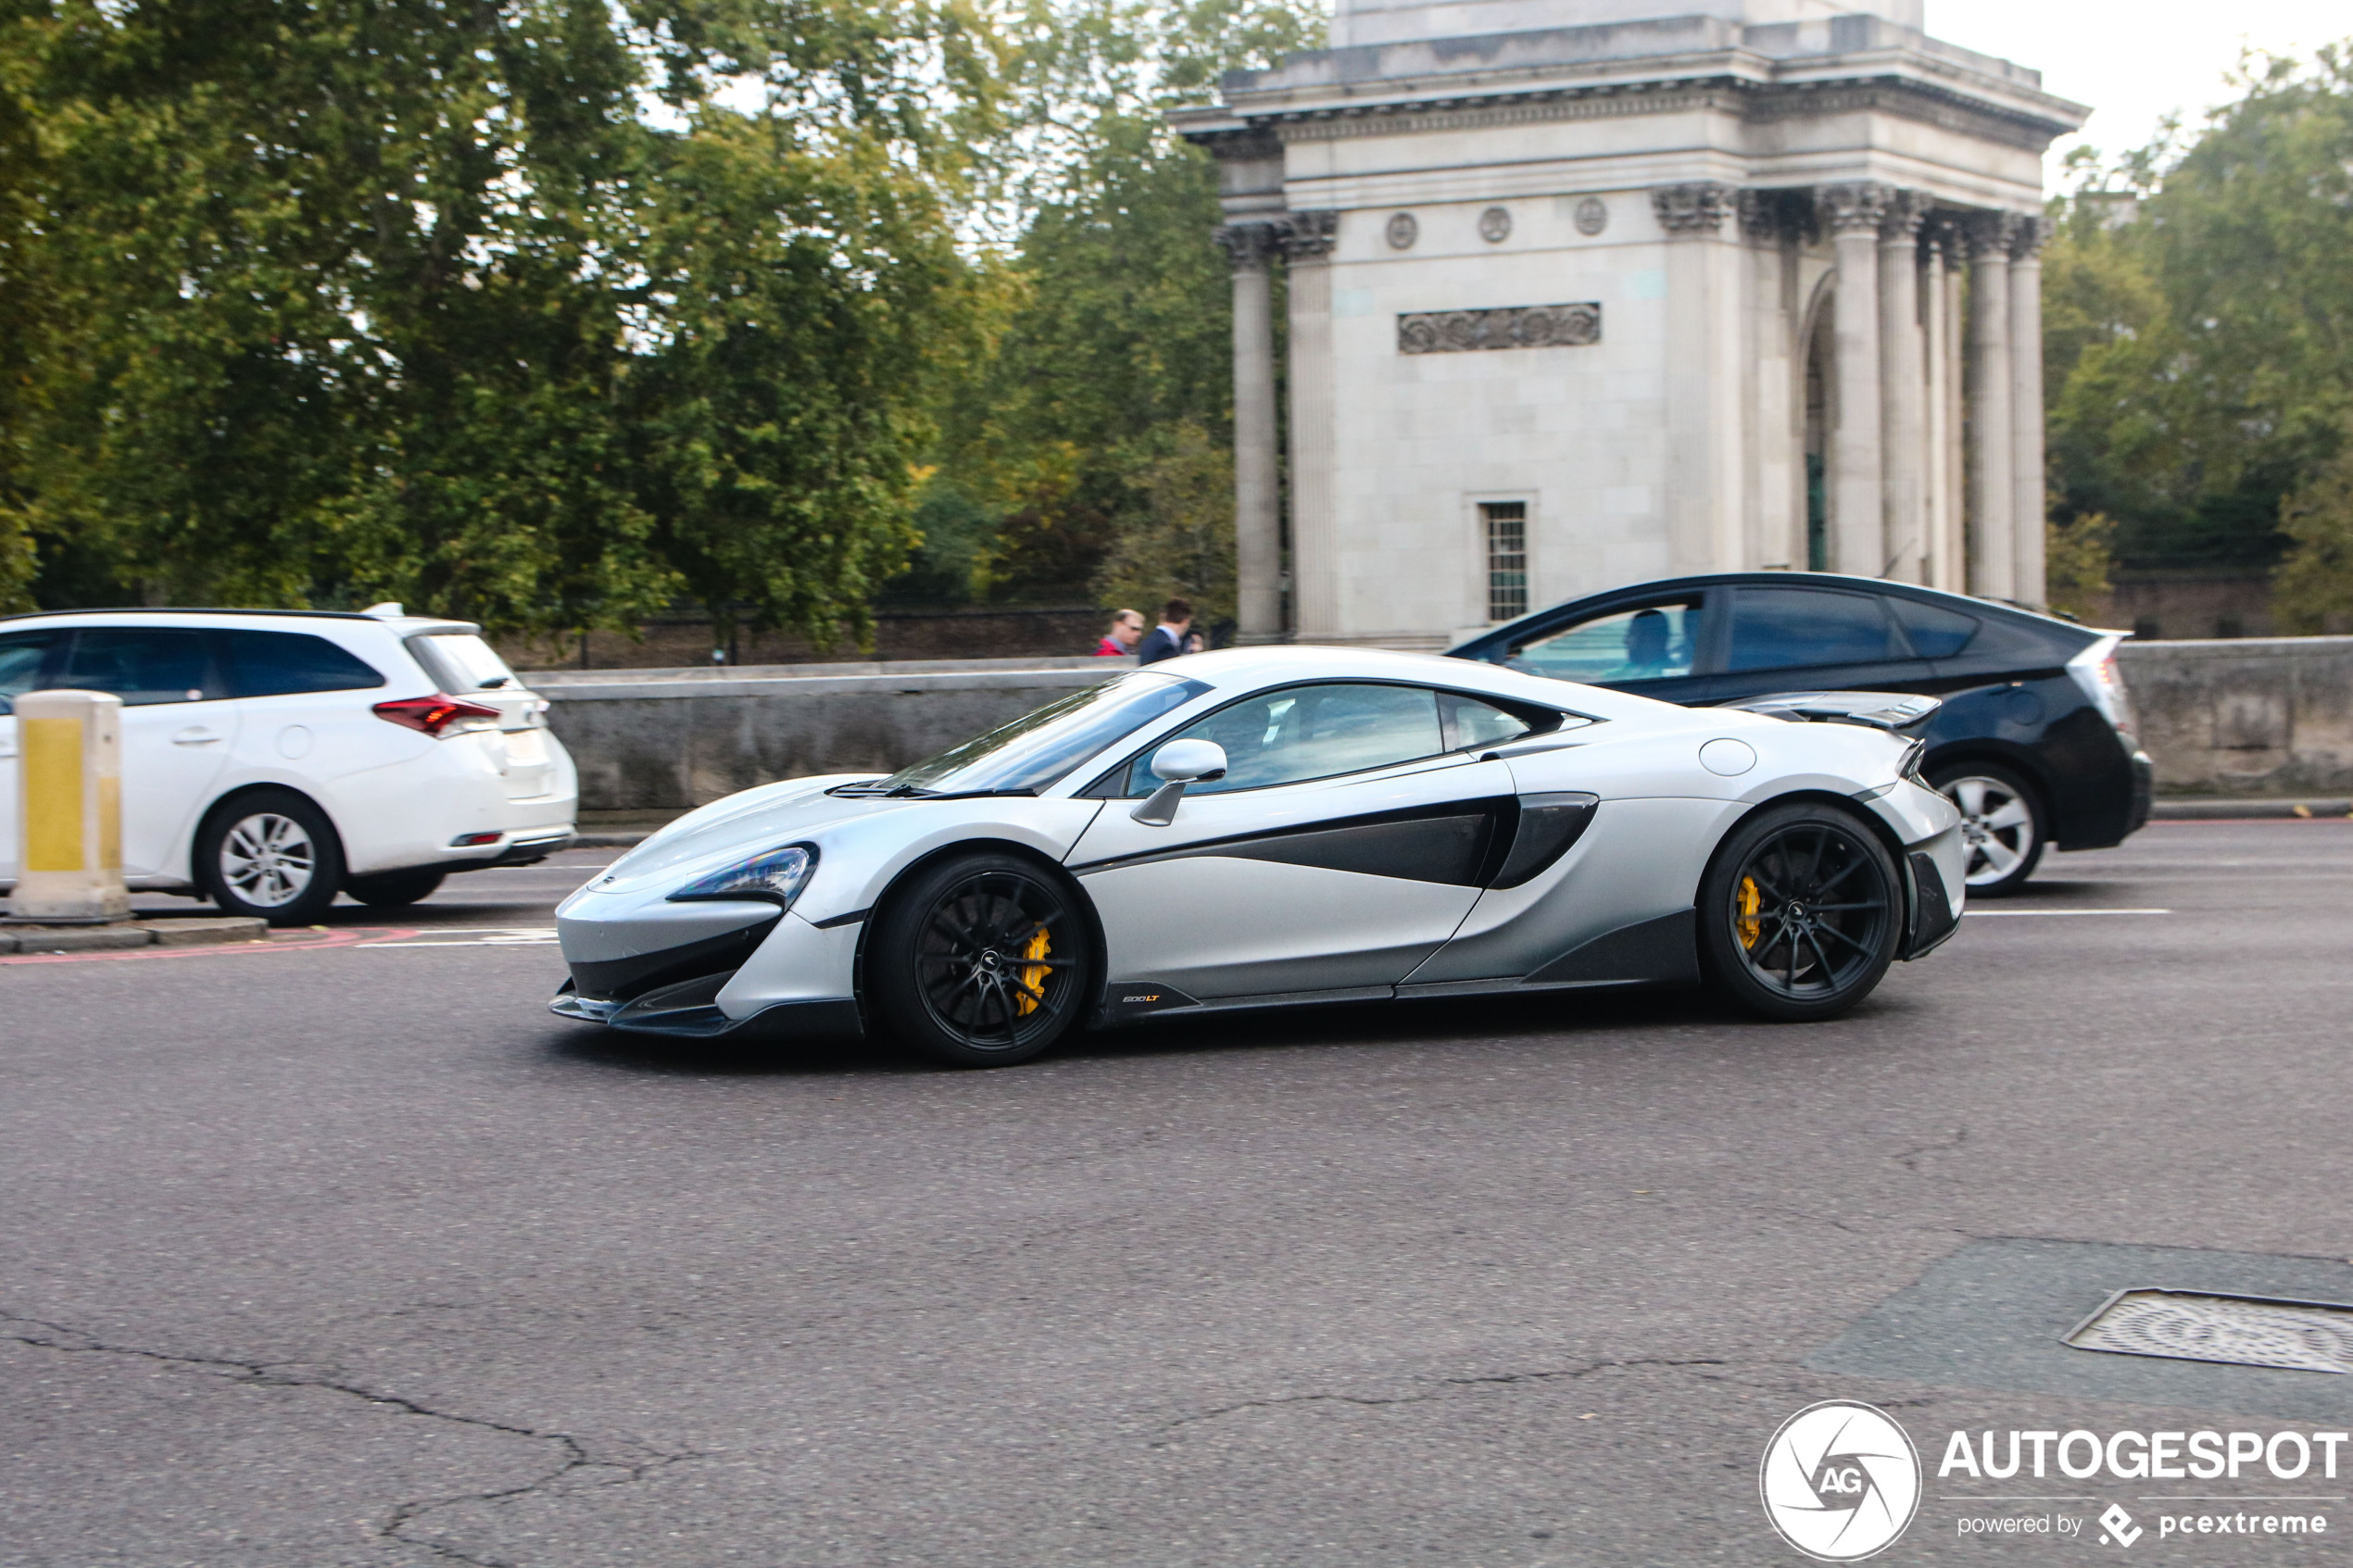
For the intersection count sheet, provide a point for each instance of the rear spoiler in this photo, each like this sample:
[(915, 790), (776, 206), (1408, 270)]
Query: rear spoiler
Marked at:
[(1891, 711)]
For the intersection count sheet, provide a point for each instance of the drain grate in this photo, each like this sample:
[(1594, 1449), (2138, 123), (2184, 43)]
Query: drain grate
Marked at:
[(2191, 1325)]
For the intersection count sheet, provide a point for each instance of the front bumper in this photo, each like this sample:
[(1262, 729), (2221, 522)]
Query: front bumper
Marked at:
[(702, 971)]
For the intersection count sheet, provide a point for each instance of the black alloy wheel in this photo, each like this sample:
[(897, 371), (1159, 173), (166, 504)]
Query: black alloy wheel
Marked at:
[(981, 960), (1800, 913), (391, 890)]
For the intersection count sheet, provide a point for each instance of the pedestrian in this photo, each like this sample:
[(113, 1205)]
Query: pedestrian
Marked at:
[(1127, 631), (1169, 639)]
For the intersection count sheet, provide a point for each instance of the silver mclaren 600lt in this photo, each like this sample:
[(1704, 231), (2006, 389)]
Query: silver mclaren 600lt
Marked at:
[(1266, 827)]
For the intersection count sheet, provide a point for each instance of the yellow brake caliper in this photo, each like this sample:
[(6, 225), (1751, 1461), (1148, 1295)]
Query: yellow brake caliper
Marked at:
[(1033, 980), (1750, 927)]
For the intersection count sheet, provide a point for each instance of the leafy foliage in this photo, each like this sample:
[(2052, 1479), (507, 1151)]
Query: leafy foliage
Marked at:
[(2313, 591), (2201, 354), (539, 314)]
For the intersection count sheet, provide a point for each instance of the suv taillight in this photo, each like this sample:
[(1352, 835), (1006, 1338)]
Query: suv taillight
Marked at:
[(438, 715)]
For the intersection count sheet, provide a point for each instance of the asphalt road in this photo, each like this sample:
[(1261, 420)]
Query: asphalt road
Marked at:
[(345, 1252)]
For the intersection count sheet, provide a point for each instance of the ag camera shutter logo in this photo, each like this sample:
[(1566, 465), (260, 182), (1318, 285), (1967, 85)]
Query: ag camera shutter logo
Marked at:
[(1839, 1481)]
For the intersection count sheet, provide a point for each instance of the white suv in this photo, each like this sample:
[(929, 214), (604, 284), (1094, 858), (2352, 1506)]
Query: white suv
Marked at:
[(271, 758)]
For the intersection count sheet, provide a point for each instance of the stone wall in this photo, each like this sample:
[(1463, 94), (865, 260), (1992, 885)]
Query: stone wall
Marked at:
[(2254, 716), (947, 632), (2249, 716), (662, 740)]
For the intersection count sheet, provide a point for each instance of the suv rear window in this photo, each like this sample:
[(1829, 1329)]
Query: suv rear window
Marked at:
[(460, 662), (280, 663)]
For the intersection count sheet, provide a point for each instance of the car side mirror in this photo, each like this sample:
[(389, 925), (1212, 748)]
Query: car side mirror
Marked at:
[(1179, 763)]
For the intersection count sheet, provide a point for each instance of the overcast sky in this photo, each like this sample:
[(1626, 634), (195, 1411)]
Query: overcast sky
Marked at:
[(2132, 63)]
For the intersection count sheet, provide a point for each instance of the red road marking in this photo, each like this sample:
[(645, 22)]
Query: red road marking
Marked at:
[(310, 941)]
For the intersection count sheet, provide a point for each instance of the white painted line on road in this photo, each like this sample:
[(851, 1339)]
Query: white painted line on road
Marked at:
[(1988, 913), (473, 936)]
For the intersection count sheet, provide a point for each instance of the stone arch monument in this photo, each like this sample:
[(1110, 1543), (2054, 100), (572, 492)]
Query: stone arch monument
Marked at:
[(1580, 294)]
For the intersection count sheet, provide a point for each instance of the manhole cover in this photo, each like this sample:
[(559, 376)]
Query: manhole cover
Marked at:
[(2242, 1330)]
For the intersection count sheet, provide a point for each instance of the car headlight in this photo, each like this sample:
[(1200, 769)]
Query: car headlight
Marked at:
[(774, 875)]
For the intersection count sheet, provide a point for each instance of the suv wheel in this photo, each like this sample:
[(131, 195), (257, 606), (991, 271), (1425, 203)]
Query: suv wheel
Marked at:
[(2001, 823), (271, 854)]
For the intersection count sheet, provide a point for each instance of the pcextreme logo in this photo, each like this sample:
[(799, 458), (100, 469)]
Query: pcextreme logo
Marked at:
[(1840, 1481)]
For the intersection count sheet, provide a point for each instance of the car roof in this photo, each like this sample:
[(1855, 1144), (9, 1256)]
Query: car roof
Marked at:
[(162, 615), (1967, 602), (1232, 671)]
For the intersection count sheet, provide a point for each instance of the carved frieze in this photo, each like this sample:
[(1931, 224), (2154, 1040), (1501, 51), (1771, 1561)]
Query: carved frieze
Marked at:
[(1525, 326), (1695, 207)]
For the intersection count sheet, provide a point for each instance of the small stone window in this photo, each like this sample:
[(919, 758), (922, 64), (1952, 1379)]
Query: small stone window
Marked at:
[(1506, 524)]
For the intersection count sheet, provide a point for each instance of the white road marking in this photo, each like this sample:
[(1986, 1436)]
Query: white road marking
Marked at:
[(1992, 912), (474, 937)]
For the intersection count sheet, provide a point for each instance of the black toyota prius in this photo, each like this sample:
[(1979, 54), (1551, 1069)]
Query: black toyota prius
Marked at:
[(2034, 742)]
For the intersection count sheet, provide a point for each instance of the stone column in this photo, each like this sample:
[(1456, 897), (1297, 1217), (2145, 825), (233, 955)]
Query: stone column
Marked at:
[(2026, 511), (1705, 416), (1992, 497), (1307, 243), (1258, 544), (1937, 509), (1955, 454), (1903, 390), (1857, 521)]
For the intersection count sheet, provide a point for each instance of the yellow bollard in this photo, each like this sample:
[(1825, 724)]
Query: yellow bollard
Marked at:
[(70, 821)]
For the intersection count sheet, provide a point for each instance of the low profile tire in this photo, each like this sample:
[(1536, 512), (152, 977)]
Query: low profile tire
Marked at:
[(980, 961), (2002, 823), (391, 890), (271, 854), (1800, 912)]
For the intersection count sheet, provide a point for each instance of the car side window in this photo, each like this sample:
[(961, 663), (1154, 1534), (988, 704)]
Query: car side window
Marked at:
[(1650, 642), (1303, 733), (23, 656), (1795, 628), (280, 663), (1471, 724), (1935, 631), (144, 665)]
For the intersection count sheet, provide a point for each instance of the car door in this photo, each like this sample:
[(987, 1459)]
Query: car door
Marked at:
[(1805, 638), (1343, 845), (178, 726), (26, 660), (1656, 649)]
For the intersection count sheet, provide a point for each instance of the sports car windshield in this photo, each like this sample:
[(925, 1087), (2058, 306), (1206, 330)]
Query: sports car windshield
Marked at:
[(1025, 756)]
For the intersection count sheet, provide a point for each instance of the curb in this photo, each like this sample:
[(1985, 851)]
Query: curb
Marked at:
[(2196, 810), (167, 931)]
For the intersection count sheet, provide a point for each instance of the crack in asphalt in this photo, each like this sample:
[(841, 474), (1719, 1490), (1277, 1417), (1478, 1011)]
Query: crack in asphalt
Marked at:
[(1546, 1375), (574, 1459)]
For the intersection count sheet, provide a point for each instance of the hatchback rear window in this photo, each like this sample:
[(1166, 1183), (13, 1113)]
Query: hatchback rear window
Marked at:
[(461, 661), (280, 663), (1935, 632)]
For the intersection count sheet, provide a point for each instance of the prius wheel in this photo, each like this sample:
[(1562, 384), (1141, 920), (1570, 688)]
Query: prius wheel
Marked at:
[(271, 854), (1799, 915), (980, 961), (2001, 823)]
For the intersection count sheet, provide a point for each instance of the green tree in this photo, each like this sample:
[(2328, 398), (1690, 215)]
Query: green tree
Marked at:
[(1114, 351), (2313, 591), (2206, 346), (540, 315)]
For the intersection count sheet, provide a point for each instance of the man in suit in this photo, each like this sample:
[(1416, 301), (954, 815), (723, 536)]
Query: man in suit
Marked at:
[(1167, 640)]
